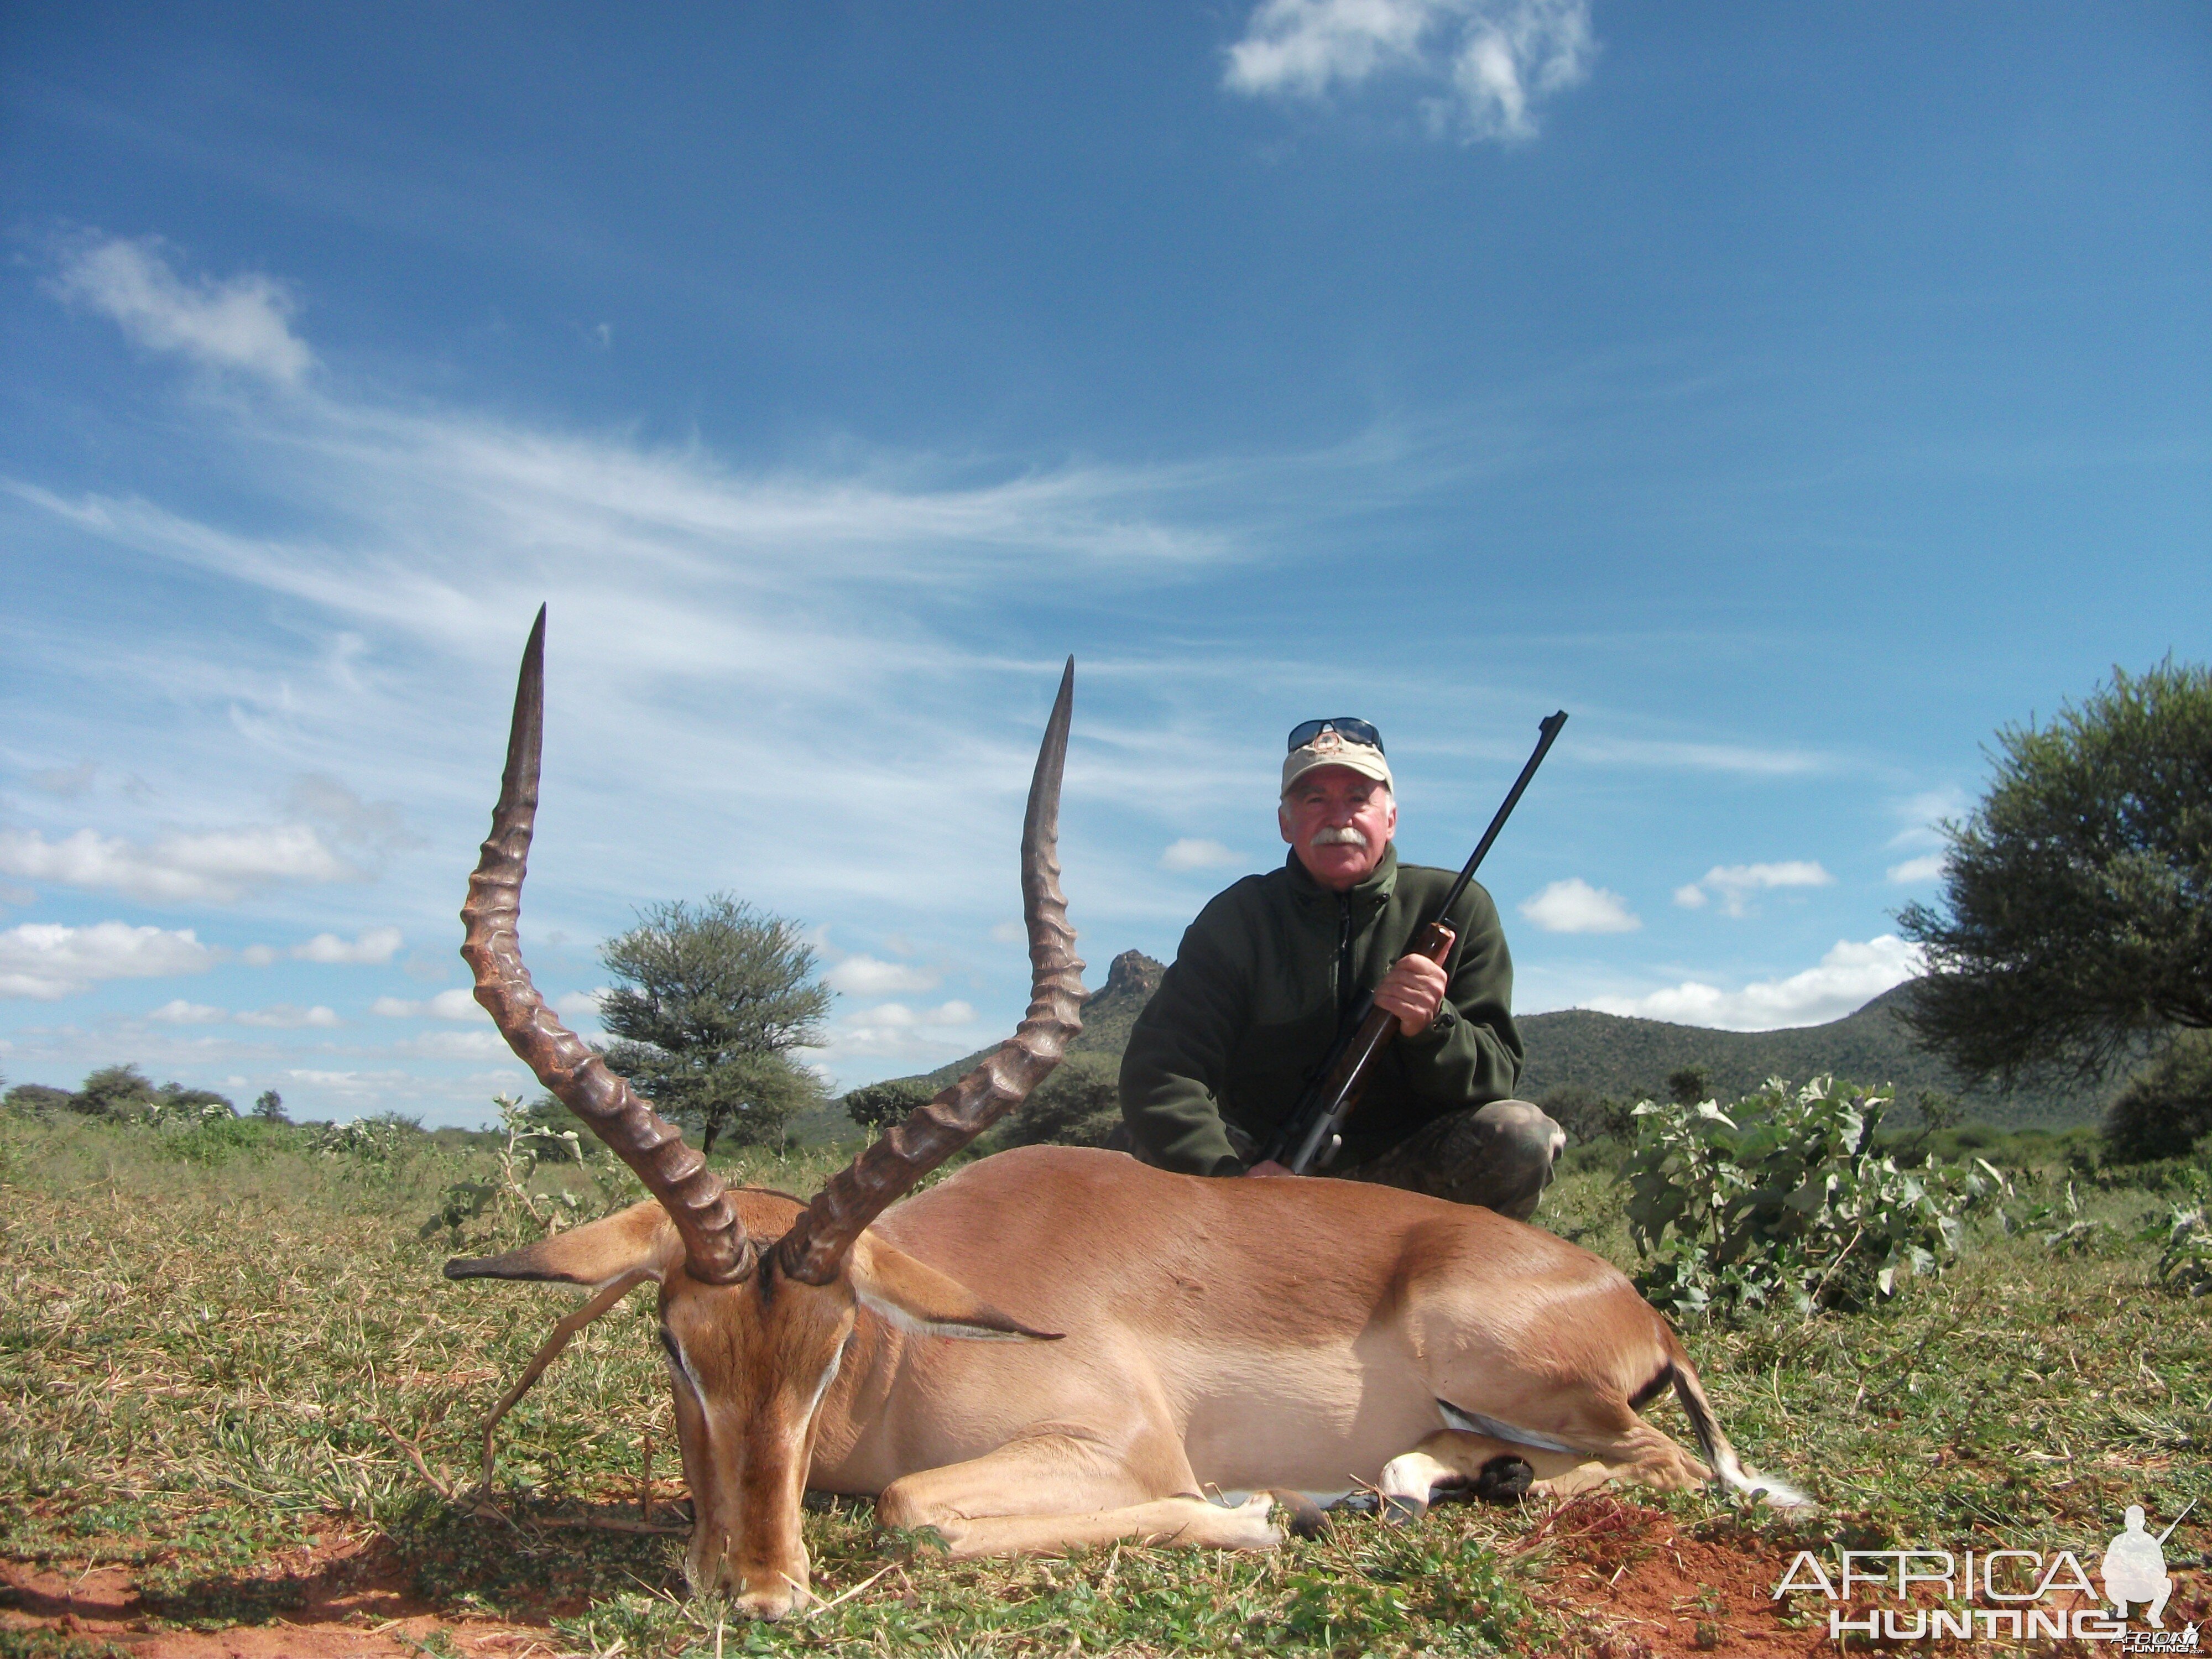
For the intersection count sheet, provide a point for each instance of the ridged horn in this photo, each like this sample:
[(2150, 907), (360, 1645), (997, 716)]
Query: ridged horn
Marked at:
[(814, 1249), (715, 1247)]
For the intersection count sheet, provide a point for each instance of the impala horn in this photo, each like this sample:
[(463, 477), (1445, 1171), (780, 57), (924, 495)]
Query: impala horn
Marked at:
[(716, 1250), (814, 1249)]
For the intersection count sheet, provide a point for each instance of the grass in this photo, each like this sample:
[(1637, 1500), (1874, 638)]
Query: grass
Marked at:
[(222, 1355)]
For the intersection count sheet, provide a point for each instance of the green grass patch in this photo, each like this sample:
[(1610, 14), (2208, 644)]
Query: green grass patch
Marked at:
[(213, 1361)]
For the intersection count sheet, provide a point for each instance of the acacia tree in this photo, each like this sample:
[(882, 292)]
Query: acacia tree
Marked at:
[(714, 998), (2075, 923)]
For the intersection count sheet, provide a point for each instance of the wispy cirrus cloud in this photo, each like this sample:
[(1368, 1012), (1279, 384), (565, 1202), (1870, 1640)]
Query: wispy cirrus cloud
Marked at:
[(242, 323), (1481, 67), (288, 1016)]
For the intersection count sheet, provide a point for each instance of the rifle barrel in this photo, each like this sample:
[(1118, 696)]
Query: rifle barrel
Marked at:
[(1550, 729)]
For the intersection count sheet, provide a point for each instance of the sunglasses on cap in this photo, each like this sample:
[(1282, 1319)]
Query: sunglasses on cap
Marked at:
[(1352, 730)]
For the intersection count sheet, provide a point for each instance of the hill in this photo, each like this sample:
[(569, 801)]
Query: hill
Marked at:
[(1627, 1059)]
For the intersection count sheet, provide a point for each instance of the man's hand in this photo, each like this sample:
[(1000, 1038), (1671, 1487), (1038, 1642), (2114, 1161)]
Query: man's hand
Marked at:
[(1267, 1166), (1414, 990)]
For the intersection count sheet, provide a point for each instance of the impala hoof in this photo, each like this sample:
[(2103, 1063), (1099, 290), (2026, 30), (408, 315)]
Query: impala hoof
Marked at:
[(1503, 1479), (1301, 1514)]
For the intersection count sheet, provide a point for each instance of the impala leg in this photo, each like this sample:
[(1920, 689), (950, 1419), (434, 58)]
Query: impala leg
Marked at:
[(1453, 1462), (1051, 1491)]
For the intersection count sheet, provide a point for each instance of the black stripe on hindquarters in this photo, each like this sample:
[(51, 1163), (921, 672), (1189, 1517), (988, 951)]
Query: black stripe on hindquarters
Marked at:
[(1651, 1390)]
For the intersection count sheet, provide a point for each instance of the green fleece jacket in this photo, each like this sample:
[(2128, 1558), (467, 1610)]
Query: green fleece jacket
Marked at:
[(1250, 1007)]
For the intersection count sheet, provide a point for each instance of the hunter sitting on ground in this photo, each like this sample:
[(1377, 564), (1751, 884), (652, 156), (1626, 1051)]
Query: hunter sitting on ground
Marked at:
[(1275, 966)]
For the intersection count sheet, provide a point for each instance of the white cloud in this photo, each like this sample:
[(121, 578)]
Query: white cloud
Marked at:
[(1573, 906), (1924, 815), (45, 960), (1734, 884), (897, 1013), (457, 1003), (1913, 871), (1849, 975), (578, 1004), (486, 1044), (1489, 61), (285, 1017), (376, 945), (866, 976), (244, 323), (1194, 853), (219, 868), (181, 1012), (914, 1039)]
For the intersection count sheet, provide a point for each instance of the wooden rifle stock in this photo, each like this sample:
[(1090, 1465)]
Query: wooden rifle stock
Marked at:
[(1310, 1133)]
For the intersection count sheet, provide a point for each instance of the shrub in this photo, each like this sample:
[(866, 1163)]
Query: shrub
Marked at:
[(1788, 1202), (2167, 1107), (1074, 1106), (1587, 1117), (385, 1139), (36, 1100)]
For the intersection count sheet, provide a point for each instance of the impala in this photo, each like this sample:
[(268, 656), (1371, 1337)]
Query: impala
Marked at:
[(1058, 1346)]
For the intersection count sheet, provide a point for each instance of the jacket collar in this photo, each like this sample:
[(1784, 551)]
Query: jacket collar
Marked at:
[(1369, 894)]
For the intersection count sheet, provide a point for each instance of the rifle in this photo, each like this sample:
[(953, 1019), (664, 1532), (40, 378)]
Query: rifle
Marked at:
[(1310, 1133)]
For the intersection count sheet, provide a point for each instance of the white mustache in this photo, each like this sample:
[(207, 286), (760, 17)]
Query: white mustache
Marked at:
[(1338, 835)]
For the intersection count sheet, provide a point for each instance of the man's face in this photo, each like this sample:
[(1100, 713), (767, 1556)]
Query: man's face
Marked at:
[(1338, 823)]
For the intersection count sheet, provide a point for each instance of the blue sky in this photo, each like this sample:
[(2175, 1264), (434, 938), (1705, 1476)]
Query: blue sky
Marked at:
[(1793, 394)]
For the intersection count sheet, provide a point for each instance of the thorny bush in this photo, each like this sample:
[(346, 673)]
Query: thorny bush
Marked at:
[(1786, 1202)]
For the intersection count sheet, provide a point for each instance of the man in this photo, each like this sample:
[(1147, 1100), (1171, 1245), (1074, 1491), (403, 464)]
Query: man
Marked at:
[(1273, 967)]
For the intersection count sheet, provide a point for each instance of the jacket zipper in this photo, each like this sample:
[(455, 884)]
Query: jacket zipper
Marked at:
[(1346, 994)]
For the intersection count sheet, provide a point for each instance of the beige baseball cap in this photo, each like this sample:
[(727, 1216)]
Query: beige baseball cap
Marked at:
[(1329, 747)]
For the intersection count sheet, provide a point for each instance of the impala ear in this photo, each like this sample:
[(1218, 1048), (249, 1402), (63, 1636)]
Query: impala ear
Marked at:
[(916, 1297), (641, 1239)]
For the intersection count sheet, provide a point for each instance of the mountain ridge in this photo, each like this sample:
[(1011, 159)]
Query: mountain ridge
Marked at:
[(1625, 1058)]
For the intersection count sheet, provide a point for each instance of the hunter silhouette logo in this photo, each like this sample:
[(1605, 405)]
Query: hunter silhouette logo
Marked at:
[(2002, 1593), (2135, 1566)]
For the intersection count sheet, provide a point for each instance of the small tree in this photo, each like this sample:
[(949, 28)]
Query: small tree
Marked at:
[(2167, 1107), (1689, 1085), (714, 998), (879, 1105), (268, 1107), (113, 1092), (2077, 916)]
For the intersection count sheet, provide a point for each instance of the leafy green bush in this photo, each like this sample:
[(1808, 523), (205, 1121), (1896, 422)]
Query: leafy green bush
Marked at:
[(2185, 1262), (387, 1139), (1787, 1203)]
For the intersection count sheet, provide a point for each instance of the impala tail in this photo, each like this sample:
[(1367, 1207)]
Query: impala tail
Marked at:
[(1728, 1468)]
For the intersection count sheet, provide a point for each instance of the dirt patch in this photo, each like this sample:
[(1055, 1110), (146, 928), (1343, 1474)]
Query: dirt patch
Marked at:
[(1652, 1590), (346, 1594)]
